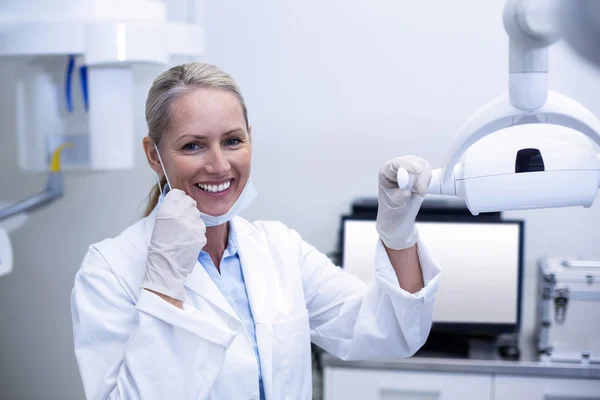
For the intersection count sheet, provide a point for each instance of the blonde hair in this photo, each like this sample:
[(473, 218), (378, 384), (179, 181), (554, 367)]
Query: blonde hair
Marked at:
[(168, 87)]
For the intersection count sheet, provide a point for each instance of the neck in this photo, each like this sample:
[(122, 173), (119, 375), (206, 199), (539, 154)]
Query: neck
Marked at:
[(216, 242)]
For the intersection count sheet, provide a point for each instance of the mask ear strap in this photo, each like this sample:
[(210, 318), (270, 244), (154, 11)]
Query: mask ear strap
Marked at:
[(163, 168), (159, 186)]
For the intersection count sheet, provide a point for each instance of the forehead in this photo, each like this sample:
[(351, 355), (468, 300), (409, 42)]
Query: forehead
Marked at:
[(205, 112)]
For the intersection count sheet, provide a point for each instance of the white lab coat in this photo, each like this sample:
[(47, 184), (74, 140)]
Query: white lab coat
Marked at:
[(130, 344)]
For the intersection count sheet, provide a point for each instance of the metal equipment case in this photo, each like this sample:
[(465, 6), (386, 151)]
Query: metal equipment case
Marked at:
[(568, 310)]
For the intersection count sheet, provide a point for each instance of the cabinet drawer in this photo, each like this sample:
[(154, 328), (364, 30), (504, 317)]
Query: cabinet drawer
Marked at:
[(516, 388), (368, 384)]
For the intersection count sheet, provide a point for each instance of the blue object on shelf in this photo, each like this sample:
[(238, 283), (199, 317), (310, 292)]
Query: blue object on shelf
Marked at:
[(84, 86), (69, 76)]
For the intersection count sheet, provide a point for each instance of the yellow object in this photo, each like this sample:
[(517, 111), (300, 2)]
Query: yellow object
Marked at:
[(55, 162)]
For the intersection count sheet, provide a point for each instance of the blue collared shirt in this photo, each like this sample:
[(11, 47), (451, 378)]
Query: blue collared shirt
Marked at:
[(233, 287)]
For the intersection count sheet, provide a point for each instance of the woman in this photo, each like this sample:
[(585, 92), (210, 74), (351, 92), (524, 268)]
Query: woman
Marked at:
[(194, 302)]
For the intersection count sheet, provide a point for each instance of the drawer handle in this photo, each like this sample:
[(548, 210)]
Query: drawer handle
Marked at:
[(575, 263), (395, 394)]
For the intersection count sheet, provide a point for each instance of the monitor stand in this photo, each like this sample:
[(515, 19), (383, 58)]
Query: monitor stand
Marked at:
[(452, 345)]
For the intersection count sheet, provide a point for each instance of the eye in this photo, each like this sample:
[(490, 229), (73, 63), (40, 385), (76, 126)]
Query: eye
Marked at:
[(191, 147), (232, 142)]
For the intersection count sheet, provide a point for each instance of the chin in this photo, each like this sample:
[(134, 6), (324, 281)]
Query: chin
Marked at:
[(215, 205), (215, 211)]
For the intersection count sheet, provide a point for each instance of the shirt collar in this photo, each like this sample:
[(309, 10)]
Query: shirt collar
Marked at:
[(231, 249)]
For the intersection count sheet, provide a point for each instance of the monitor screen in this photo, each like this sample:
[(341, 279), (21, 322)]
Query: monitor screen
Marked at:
[(481, 265)]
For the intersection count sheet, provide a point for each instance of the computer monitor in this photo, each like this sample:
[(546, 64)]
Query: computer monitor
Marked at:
[(481, 263)]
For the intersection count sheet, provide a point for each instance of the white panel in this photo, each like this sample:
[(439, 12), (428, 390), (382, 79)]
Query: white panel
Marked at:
[(366, 384), (111, 118), (43, 10), (40, 110), (63, 10), (115, 43), (478, 260), (6, 255), (516, 388), (360, 241), (60, 38), (130, 10)]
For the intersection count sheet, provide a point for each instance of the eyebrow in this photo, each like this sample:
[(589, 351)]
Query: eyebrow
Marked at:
[(200, 137)]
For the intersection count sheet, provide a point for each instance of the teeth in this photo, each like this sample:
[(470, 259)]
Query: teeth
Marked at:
[(215, 188)]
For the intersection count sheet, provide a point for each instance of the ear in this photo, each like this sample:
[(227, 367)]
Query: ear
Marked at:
[(151, 156)]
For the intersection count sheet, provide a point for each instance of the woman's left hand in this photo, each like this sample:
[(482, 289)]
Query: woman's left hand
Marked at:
[(397, 209)]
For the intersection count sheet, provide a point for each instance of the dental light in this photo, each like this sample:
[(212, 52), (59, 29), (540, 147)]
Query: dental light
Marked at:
[(532, 147)]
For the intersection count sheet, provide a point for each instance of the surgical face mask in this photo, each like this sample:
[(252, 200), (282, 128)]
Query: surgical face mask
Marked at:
[(243, 201)]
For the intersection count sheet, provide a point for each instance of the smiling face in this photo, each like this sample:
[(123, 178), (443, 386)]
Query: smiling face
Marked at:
[(206, 149)]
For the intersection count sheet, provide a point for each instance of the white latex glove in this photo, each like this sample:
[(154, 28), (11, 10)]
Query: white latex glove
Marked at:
[(397, 208), (177, 239)]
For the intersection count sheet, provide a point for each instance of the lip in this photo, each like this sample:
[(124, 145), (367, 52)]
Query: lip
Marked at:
[(219, 194)]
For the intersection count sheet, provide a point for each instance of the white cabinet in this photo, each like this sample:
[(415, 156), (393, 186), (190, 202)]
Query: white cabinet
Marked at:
[(370, 384), (381, 384), (532, 388)]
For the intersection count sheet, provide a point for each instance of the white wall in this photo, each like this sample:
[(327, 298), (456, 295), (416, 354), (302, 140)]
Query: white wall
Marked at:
[(334, 89)]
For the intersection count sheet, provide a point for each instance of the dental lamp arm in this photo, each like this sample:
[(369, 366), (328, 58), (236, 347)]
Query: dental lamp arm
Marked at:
[(537, 24)]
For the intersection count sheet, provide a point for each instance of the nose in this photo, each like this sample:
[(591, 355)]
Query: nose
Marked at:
[(216, 162)]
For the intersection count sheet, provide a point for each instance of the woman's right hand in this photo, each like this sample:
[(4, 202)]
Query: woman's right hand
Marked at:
[(178, 237)]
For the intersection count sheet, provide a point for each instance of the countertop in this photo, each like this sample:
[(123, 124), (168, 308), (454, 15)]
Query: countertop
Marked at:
[(485, 362)]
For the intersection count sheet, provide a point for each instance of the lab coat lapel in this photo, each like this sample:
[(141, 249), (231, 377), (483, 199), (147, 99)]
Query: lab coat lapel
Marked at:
[(198, 281), (258, 269), (202, 284)]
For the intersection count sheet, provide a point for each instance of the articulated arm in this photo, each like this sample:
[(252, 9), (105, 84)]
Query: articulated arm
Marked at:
[(53, 191)]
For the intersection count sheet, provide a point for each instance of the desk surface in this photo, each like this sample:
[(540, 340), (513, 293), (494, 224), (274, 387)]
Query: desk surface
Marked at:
[(526, 366)]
